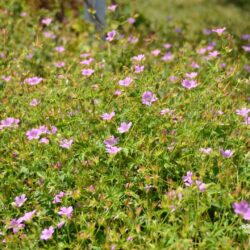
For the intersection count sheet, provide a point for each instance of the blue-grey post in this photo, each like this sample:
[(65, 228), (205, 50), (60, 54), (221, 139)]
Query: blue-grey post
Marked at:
[(95, 12)]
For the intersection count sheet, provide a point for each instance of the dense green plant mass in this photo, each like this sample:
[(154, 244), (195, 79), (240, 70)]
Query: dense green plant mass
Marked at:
[(137, 140)]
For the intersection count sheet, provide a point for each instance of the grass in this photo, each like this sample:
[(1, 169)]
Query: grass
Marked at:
[(135, 199)]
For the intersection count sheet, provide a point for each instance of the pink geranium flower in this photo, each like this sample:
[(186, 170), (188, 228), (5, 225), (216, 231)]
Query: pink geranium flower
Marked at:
[(131, 20), (111, 141), (242, 208), (112, 150), (124, 127), (206, 150), (138, 58), (87, 72), (111, 35), (9, 122), (219, 31), (155, 52), (226, 153), (188, 179), (19, 200), (60, 224), (87, 61), (59, 64), (112, 7), (47, 233), (6, 78), (66, 143), (33, 80), (191, 75), (47, 21), (243, 112), (34, 102), (60, 49), (126, 82), (108, 116), (168, 57), (66, 211), (148, 98), (16, 225), (27, 216), (189, 84), (139, 69), (58, 197)]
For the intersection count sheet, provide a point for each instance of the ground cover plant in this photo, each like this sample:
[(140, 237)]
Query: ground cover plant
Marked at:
[(135, 140)]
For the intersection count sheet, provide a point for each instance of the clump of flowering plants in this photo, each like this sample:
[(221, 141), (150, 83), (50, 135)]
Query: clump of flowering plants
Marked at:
[(136, 138)]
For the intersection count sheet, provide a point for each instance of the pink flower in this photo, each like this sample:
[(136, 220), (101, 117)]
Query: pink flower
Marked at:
[(246, 120), (129, 238), (166, 111), (59, 64), (6, 78), (167, 46), (194, 65), (126, 82), (245, 37), (49, 35), (202, 51), (19, 200), (200, 185), (60, 224), (85, 55), (213, 54), (111, 35), (124, 127), (191, 75), (44, 141), (139, 69), (206, 150), (207, 31), (111, 141), (47, 21), (47, 233), (189, 84), (243, 112), (131, 20), (108, 116), (59, 49), (188, 179), (87, 72), (87, 61), (34, 102), (173, 79), (132, 39), (58, 197), (66, 211), (138, 58), (33, 80), (16, 225), (117, 92), (33, 134), (242, 208), (112, 7), (9, 122), (155, 52), (219, 31), (226, 153), (148, 98), (168, 57), (113, 149), (27, 216), (53, 130), (65, 143)]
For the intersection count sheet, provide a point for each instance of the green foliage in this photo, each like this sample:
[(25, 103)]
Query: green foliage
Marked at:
[(135, 199)]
